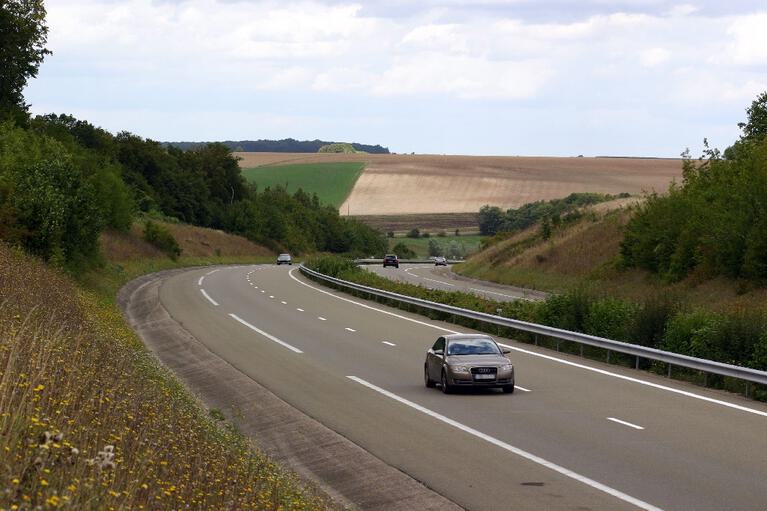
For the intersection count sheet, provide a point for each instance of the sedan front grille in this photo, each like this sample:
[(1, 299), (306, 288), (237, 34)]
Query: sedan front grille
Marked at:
[(484, 370)]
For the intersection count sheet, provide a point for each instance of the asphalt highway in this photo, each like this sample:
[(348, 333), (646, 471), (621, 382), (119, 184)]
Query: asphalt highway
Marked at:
[(441, 277), (576, 434)]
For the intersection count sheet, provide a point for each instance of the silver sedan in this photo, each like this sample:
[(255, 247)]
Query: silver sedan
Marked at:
[(468, 360)]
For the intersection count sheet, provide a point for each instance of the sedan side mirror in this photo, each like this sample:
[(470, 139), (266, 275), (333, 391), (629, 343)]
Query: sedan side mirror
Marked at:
[(439, 352), (505, 351)]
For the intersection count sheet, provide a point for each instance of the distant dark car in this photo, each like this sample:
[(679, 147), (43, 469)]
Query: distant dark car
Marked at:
[(440, 261), (468, 360), (390, 260), (284, 259)]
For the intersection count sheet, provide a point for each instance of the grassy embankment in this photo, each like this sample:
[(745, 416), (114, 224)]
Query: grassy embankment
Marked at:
[(90, 420), (587, 255), (332, 182)]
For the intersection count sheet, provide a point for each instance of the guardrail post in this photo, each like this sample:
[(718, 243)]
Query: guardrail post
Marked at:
[(535, 336), (669, 371), (608, 356), (558, 344), (581, 350), (636, 363), (748, 388)]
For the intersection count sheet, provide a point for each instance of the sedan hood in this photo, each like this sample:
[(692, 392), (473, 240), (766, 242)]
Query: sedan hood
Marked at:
[(491, 360)]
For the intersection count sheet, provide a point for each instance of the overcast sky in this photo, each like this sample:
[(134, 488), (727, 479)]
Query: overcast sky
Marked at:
[(505, 77)]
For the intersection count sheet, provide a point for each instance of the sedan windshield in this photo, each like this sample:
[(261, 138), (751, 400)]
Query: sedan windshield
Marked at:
[(473, 347)]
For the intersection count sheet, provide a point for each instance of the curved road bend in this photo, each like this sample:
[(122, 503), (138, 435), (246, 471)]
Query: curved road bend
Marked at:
[(442, 278), (581, 435)]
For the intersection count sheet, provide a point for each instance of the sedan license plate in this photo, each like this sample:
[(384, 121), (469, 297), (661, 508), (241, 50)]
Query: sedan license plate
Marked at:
[(484, 377)]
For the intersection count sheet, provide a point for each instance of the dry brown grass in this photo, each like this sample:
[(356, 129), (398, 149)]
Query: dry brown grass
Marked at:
[(194, 242), (90, 421)]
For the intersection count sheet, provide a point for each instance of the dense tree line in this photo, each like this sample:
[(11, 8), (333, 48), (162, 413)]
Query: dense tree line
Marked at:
[(493, 219), (715, 221), (286, 145), (62, 181)]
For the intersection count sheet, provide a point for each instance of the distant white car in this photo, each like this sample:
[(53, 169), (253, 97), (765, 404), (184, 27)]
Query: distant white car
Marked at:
[(440, 261), (284, 259)]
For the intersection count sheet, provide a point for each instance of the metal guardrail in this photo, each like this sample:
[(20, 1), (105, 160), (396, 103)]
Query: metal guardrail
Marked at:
[(699, 364), (405, 261)]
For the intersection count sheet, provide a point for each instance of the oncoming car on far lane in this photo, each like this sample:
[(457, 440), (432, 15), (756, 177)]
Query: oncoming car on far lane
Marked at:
[(440, 261), (391, 260), (468, 360), (284, 259)]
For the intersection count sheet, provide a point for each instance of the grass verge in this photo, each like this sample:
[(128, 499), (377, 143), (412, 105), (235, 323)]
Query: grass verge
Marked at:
[(90, 420)]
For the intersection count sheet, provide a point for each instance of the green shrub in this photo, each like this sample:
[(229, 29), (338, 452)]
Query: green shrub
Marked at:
[(610, 318), (697, 334), (651, 319), (414, 233), (403, 251), (161, 238), (567, 311), (331, 265)]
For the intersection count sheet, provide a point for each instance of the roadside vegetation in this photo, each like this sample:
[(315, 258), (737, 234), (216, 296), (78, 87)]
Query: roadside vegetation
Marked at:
[(90, 419), (331, 182)]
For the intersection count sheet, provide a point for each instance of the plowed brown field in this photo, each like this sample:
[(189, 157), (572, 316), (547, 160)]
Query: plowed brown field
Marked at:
[(394, 184)]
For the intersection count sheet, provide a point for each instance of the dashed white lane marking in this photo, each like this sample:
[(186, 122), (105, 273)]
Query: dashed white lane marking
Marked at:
[(212, 271), (548, 357), (321, 318), (206, 295), (349, 329), (271, 296), (388, 343), (263, 291), (283, 302), (199, 282), (493, 293), (255, 286), (267, 335), (299, 309), (624, 423), (522, 388), (508, 447)]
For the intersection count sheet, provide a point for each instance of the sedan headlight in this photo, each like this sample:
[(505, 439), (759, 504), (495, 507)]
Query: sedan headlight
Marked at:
[(507, 367), (460, 369)]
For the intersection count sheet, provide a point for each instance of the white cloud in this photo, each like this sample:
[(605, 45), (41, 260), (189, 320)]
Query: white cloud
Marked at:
[(653, 57), (749, 44)]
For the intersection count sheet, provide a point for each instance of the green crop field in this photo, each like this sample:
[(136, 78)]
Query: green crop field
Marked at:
[(332, 182), (421, 245)]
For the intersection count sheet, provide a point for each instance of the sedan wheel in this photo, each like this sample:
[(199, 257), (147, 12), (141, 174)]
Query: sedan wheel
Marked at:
[(508, 389), (428, 381), (446, 388)]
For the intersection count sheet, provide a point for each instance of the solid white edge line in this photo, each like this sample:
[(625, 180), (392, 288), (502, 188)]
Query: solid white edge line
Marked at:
[(206, 295), (641, 382), (267, 335), (199, 282), (440, 328), (389, 343), (438, 281), (523, 389), (508, 447), (549, 357), (624, 423)]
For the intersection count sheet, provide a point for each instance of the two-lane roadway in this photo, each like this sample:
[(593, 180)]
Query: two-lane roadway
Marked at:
[(576, 434)]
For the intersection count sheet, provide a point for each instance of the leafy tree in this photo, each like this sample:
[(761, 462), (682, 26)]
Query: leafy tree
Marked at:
[(23, 34), (490, 220), (414, 233), (755, 127)]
